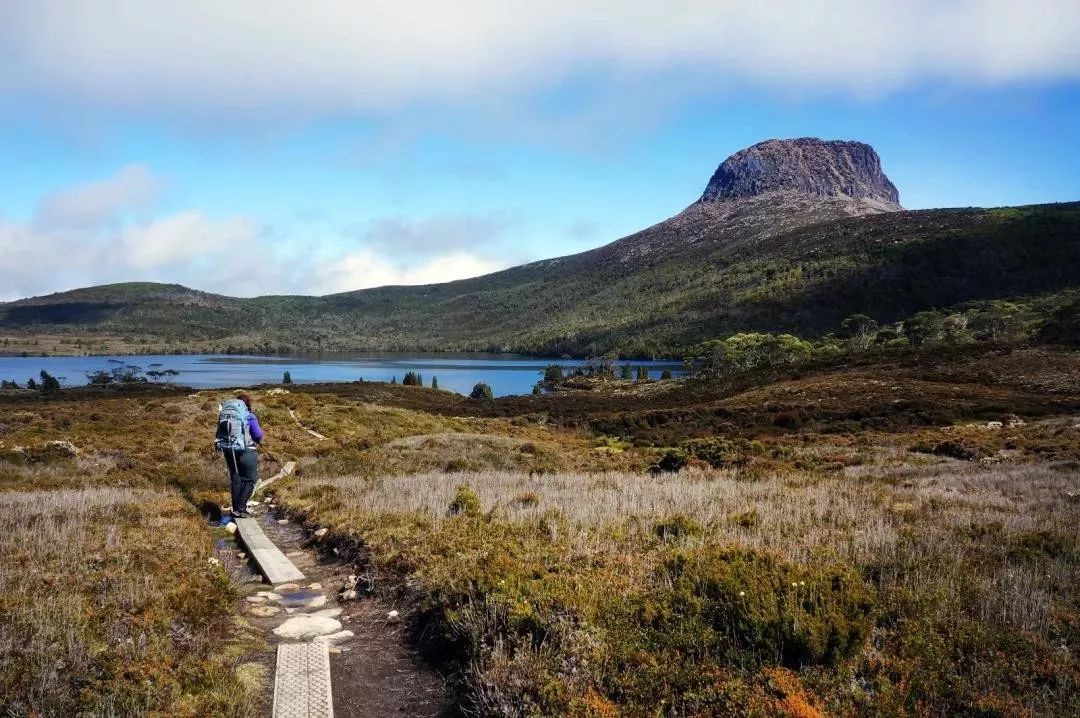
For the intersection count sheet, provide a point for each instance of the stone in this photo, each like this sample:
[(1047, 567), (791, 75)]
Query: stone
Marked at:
[(241, 555), (287, 587), (393, 616), (283, 521), (994, 425), (269, 595), (263, 611), (330, 612), (256, 599), (213, 561), (315, 586), (305, 626), (335, 637), (230, 527), (349, 595), (319, 533)]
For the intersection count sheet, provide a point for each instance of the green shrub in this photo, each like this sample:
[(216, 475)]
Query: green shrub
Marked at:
[(676, 527), (482, 392), (750, 608), (465, 503)]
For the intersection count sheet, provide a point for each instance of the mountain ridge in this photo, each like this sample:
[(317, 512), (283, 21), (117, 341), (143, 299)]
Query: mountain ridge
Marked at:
[(794, 248)]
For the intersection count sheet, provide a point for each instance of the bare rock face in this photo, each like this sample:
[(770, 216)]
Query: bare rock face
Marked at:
[(805, 166)]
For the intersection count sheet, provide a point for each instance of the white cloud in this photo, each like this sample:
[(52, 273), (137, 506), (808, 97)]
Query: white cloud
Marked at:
[(90, 204), (83, 239), (205, 56), (186, 237), (363, 269)]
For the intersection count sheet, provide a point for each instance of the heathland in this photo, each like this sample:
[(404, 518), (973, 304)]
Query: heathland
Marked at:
[(888, 534)]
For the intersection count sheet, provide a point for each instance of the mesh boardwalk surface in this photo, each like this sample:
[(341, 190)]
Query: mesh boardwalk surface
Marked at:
[(302, 681), (271, 562)]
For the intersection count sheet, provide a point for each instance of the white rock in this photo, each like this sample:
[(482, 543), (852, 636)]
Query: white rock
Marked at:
[(322, 532), (287, 588), (230, 527), (328, 612), (241, 555), (994, 425), (335, 637), (256, 599), (264, 611), (253, 502), (315, 586), (270, 595), (283, 521), (213, 561), (393, 616), (307, 626), (349, 595)]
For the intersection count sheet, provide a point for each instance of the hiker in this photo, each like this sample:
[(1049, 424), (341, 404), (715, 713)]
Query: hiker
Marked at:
[(237, 436)]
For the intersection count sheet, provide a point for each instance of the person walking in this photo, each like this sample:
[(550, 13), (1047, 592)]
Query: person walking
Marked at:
[(238, 435)]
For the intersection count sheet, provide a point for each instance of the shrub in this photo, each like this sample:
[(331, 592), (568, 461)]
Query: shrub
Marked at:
[(752, 608), (434, 382), (747, 519), (677, 526), (465, 502), (287, 379), (482, 392), (412, 378), (666, 374), (670, 462)]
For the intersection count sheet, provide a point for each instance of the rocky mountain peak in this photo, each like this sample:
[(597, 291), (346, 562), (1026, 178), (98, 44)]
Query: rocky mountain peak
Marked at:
[(805, 166)]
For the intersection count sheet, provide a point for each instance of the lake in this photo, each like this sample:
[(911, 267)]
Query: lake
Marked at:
[(506, 373)]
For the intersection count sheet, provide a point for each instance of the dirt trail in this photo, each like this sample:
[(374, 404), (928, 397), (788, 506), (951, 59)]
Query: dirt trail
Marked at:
[(376, 672)]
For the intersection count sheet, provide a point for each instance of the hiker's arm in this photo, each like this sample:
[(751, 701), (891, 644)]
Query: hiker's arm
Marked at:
[(255, 429)]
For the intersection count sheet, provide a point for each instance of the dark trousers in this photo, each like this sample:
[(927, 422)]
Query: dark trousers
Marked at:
[(243, 473)]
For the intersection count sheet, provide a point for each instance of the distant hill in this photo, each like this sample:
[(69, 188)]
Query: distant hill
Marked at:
[(789, 235)]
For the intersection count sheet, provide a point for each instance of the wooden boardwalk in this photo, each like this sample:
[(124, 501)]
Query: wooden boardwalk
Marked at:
[(271, 562), (302, 681), (286, 470)]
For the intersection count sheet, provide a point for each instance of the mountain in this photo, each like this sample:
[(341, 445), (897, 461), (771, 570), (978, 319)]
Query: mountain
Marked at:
[(788, 235)]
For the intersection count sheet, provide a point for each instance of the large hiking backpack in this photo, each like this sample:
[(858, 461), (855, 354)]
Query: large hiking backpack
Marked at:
[(232, 427)]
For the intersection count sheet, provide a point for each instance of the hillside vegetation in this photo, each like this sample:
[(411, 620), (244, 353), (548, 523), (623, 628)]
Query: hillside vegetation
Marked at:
[(656, 293)]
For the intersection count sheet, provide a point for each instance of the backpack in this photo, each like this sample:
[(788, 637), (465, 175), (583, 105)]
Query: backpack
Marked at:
[(232, 428)]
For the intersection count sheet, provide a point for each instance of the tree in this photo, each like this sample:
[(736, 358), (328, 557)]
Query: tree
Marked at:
[(860, 330), (642, 373), (666, 374), (31, 384), (434, 382), (287, 379), (49, 383), (393, 380), (412, 378), (537, 389), (923, 327), (553, 374), (482, 392), (625, 371)]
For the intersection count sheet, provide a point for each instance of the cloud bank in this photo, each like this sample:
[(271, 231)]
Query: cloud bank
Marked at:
[(87, 235), (207, 56)]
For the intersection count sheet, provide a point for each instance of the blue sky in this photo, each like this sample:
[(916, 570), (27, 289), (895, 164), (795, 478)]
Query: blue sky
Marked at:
[(236, 153)]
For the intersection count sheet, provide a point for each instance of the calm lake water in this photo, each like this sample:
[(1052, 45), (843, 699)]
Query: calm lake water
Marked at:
[(506, 373)]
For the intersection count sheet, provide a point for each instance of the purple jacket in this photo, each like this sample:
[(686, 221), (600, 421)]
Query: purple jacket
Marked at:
[(254, 429)]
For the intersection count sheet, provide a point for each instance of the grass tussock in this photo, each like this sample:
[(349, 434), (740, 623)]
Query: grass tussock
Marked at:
[(889, 587), (110, 608)]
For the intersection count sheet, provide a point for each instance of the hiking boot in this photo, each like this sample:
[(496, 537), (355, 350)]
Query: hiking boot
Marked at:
[(241, 514)]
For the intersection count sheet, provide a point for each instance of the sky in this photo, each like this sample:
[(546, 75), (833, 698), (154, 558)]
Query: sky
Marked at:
[(256, 147)]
